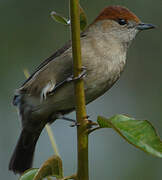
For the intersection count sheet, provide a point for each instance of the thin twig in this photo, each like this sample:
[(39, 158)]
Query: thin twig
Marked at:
[(52, 139)]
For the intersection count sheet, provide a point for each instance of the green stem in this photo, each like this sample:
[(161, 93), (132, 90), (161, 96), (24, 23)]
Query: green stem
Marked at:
[(52, 139), (82, 135)]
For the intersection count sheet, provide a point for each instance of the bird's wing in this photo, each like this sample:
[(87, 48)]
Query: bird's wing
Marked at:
[(50, 74), (48, 60)]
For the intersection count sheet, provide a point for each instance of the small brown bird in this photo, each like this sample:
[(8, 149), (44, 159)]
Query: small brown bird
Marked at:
[(48, 92)]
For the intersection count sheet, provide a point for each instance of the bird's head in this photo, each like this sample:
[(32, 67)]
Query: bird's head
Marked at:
[(119, 22)]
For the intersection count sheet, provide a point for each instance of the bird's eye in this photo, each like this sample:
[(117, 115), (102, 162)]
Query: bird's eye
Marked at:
[(122, 21)]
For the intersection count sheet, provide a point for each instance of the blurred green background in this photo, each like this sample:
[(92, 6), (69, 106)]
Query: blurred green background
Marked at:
[(28, 35)]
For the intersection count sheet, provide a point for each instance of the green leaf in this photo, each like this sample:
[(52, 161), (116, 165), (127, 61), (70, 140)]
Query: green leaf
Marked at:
[(29, 174), (139, 133), (65, 21), (83, 19), (60, 19), (51, 167)]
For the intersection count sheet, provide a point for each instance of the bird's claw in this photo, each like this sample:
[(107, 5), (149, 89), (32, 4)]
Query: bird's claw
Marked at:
[(81, 75), (91, 123), (75, 124)]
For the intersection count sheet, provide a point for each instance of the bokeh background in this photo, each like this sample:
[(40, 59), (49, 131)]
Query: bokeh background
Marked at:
[(28, 35)]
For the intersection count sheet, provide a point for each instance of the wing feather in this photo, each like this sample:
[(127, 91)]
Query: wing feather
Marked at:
[(48, 60)]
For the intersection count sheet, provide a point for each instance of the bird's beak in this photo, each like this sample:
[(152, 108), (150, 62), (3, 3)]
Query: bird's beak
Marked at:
[(144, 26)]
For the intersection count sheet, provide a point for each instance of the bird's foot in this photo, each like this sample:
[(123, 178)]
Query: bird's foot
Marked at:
[(81, 75), (75, 124), (91, 123)]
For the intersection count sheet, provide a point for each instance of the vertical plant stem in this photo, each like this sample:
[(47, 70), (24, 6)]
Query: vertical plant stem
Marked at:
[(82, 136)]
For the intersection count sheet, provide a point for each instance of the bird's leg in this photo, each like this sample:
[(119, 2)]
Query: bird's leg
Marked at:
[(81, 75), (90, 123), (69, 79), (62, 117)]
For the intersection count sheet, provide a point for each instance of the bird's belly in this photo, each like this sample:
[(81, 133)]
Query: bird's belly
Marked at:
[(97, 84)]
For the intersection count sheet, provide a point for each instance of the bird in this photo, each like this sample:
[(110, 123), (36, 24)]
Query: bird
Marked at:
[(49, 92)]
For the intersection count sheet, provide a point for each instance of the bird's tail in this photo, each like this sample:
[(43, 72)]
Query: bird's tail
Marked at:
[(23, 154)]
